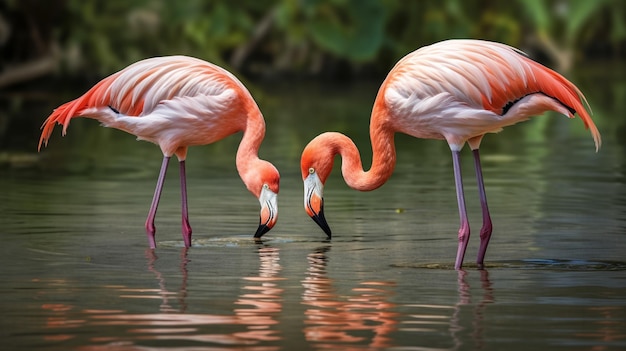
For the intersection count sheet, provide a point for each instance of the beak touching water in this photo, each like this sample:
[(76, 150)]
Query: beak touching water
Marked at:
[(269, 212), (314, 202)]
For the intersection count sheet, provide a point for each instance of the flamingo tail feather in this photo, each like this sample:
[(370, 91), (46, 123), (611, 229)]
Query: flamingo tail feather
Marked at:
[(96, 96), (558, 87)]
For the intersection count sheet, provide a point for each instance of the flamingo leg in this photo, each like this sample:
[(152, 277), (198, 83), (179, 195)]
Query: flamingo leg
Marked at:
[(150, 228), (186, 231), (485, 231), (464, 229)]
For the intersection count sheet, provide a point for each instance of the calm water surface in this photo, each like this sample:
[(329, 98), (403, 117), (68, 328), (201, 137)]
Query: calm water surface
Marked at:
[(77, 274)]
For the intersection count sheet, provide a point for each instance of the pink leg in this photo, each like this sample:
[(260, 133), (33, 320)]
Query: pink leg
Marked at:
[(485, 231), (464, 229), (150, 228), (183, 190)]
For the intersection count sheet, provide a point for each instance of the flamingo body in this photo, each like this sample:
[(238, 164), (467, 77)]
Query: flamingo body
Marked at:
[(457, 91), (177, 102)]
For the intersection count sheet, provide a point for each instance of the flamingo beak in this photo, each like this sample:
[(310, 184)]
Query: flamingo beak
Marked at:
[(269, 212), (314, 202)]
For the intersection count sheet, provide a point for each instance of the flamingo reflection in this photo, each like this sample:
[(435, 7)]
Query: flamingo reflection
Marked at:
[(436, 325), (163, 292), (255, 309), (478, 314), (264, 295), (609, 327), (333, 321)]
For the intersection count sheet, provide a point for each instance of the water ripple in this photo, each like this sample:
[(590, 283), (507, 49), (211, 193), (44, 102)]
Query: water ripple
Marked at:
[(529, 264)]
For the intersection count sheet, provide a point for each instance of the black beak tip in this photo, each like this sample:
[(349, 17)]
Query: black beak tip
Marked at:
[(321, 222), (327, 230), (261, 230)]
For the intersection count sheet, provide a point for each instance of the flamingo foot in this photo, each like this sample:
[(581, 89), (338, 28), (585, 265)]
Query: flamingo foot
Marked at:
[(186, 232), (485, 235), (464, 234), (151, 233)]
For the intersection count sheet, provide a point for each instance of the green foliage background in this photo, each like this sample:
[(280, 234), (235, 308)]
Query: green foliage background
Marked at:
[(268, 38)]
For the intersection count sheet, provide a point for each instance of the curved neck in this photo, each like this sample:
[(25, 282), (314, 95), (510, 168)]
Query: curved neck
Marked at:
[(383, 156), (248, 151)]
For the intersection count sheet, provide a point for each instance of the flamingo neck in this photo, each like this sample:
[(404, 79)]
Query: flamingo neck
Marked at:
[(248, 151), (383, 157)]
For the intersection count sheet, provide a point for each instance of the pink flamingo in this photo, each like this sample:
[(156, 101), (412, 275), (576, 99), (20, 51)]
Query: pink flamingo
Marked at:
[(457, 91), (177, 102)]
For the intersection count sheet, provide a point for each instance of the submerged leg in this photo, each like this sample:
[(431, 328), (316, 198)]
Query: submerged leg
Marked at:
[(186, 231), (485, 231), (150, 228), (464, 229)]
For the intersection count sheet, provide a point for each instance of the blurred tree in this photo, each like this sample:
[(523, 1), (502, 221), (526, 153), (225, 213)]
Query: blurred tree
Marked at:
[(562, 27), (309, 33), (271, 37), (26, 39)]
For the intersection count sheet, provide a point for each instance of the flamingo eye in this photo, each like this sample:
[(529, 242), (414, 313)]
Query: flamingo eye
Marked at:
[(265, 186), (311, 170)]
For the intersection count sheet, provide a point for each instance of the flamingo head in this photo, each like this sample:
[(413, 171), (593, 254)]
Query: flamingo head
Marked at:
[(265, 187), (316, 164)]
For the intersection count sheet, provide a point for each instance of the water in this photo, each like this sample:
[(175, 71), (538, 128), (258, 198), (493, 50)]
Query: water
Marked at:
[(77, 273)]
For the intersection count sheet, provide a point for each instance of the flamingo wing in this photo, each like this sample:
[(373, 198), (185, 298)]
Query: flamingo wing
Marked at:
[(473, 80), (145, 86)]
